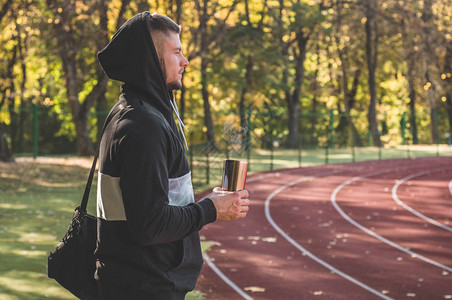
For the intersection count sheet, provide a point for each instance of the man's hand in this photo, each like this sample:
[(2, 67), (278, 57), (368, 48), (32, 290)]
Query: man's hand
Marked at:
[(230, 205)]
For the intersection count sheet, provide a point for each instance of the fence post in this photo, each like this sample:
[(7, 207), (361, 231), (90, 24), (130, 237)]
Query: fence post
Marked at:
[(437, 134), (326, 154), (300, 146), (331, 128), (403, 125), (35, 130), (248, 142), (207, 168), (271, 150), (352, 135)]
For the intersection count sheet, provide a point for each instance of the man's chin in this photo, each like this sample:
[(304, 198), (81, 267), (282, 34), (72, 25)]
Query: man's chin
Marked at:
[(175, 85)]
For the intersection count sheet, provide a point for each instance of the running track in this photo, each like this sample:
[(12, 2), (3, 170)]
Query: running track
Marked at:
[(368, 230)]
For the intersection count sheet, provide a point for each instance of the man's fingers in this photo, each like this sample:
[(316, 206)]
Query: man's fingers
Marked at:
[(230, 205), (242, 202), (243, 194)]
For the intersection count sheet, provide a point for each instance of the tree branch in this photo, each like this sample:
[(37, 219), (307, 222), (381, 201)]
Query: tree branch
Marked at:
[(5, 9), (120, 20)]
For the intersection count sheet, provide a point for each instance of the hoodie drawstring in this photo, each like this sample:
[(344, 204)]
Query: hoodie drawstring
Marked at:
[(181, 124)]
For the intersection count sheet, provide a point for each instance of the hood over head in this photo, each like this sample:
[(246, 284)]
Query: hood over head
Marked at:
[(130, 57)]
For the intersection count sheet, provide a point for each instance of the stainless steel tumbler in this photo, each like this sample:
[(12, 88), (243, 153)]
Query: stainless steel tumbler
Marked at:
[(234, 174)]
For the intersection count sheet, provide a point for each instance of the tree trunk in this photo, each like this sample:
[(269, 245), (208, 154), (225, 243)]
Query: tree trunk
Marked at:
[(183, 89), (67, 50), (101, 111), (433, 122), (346, 121), (8, 93), (285, 82), (412, 104), (372, 54), (21, 45), (205, 97), (5, 152), (102, 41), (242, 107), (315, 101), (449, 108), (448, 83), (204, 91), (411, 62), (179, 11), (207, 42), (294, 99), (431, 85), (121, 20), (293, 124), (5, 9), (10, 98), (351, 102)]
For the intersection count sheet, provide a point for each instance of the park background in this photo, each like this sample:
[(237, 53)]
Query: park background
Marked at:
[(262, 74), (280, 83)]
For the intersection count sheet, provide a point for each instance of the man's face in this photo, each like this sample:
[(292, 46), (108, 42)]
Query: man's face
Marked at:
[(173, 61)]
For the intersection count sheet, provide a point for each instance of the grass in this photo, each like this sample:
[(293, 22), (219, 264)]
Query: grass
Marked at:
[(35, 210), (36, 205)]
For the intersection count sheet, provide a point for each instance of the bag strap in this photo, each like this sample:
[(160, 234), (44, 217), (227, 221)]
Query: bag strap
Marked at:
[(118, 106)]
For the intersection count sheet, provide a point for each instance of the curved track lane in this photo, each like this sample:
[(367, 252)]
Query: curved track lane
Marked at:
[(264, 264)]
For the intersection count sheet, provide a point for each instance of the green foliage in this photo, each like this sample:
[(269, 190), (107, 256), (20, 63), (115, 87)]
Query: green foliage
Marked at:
[(261, 32)]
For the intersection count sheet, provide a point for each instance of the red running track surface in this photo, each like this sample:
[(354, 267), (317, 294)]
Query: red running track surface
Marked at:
[(367, 230)]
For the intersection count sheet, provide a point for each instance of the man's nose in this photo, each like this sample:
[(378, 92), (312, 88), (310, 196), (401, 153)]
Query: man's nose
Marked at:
[(184, 62)]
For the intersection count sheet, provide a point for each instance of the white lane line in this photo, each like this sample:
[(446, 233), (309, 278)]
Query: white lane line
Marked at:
[(372, 233), (412, 210), (303, 250), (450, 187), (225, 278)]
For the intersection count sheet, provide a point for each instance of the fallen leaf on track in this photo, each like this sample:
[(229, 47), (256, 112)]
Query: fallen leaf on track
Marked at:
[(318, 293), (254, 289), (269, 239)]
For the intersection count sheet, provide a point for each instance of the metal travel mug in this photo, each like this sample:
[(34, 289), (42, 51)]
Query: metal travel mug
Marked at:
[(234, 174)]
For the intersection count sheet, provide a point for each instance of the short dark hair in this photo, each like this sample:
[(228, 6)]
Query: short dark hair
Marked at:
[(162, 24)]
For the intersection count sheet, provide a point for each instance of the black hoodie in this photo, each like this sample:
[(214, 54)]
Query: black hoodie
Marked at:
[(148, 222)]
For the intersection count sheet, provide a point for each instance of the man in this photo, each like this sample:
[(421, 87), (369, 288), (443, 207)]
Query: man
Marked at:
[(148, 241)]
